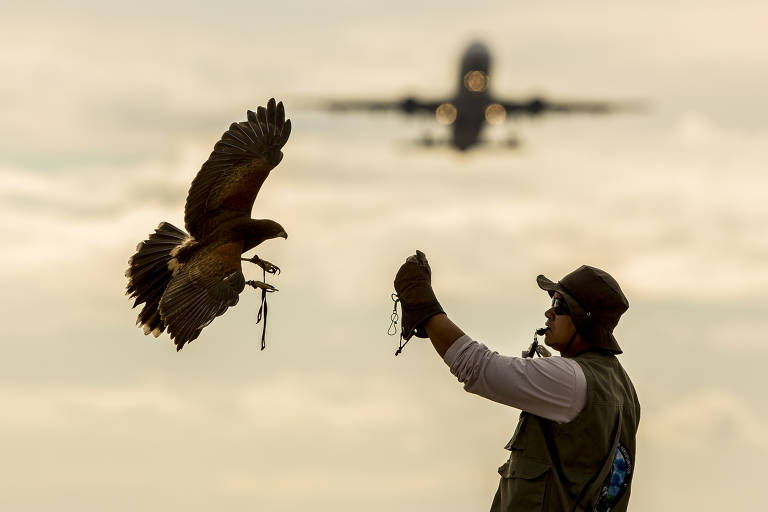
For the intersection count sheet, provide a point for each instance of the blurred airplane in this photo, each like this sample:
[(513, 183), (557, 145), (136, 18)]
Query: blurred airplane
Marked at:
[(473, 105)]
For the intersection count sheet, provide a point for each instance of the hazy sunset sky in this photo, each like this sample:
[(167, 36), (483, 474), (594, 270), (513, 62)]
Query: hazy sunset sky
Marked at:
[(109, 110)]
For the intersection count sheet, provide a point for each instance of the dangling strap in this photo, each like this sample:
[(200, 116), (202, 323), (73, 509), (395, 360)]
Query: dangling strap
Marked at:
[(263, 308), (393, 323), (597, 479)]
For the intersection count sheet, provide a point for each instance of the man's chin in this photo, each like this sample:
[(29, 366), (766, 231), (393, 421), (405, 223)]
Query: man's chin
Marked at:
[(548, 343)]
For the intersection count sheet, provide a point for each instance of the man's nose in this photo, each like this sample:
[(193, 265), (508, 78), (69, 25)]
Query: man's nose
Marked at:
[(549, 314)]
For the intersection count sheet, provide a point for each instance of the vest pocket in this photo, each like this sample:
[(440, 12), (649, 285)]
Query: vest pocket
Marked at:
[(523, 485)]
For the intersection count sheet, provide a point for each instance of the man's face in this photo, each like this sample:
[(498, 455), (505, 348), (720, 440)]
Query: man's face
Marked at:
[(560, 324)]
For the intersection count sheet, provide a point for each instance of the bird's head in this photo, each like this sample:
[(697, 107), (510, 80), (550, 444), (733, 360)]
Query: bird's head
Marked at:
[(258, 231), (264, 229)]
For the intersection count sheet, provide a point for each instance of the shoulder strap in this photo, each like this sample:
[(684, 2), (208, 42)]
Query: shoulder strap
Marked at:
[(592, 485)]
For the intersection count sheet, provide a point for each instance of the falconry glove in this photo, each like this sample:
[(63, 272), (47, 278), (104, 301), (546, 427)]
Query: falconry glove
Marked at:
[(417, 300)]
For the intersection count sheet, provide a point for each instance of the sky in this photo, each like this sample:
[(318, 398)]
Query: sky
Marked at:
[(110, 109)]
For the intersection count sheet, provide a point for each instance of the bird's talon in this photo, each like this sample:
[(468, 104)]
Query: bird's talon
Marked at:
[(261, 285), (266, 266)]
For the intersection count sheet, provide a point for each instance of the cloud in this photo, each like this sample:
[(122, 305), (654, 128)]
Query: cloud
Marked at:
[(689, 440), (709, 419), (64, 408), (331, 403)]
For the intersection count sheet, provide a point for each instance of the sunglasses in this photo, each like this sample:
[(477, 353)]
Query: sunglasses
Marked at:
[(560, 307)]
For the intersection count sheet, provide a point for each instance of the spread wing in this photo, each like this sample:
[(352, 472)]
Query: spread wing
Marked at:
[(202, 289), (226, 186)]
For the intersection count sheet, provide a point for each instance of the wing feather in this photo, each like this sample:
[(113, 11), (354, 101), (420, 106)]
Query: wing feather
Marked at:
[(236, 134), (228, 182), (271, 118), (261, 117), (280, 120), (200, 291), (253, 124), (286, 132)]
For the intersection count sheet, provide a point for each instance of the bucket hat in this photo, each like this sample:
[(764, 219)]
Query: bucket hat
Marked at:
[(595, 301)]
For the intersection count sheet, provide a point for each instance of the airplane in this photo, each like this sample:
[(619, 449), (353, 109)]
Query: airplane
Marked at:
[(474, 106)]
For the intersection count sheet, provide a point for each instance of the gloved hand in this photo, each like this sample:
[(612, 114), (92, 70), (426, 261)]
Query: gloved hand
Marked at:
[(413, 285)]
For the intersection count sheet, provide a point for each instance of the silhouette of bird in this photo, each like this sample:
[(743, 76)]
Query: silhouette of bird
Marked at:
[(186, 280)]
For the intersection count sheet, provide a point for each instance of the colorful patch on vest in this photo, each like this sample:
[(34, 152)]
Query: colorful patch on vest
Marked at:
[(617, 482)]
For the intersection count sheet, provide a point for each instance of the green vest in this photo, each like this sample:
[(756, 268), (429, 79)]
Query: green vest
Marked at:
[(553, 466)]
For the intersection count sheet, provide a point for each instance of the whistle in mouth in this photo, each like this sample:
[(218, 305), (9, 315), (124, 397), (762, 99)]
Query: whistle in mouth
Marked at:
[(535, 348)]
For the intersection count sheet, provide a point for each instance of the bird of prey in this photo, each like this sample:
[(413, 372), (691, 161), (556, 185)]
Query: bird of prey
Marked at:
[(187, 280)]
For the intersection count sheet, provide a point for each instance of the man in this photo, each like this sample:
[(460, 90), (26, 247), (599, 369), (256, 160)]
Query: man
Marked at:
[(574, 445)]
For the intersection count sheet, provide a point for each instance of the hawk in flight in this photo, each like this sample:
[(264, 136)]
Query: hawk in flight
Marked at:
[(187, 280)]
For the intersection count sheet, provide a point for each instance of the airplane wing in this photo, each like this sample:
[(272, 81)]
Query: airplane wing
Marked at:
[(538, 106), (409, 105)]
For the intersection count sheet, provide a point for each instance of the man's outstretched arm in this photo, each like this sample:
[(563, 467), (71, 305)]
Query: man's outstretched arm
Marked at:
[(443, 332), (552, 387)]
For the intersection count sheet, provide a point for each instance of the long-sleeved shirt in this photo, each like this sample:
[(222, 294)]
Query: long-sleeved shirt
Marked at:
[(551, 387)]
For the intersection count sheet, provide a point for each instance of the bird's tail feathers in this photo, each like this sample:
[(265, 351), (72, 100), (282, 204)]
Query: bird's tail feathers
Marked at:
[(150, 270), (181, 252)]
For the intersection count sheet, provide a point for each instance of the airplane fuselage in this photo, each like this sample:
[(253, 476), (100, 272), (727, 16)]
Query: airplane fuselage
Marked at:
[(472, 96)]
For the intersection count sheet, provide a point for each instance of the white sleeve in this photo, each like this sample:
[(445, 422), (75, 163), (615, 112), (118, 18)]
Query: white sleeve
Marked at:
[(551, 387)]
